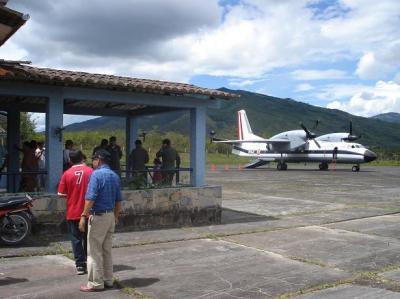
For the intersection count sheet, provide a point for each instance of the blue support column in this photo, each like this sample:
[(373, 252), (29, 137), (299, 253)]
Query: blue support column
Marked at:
[(13, 138), (131, 130), (197, 145), (54, 144)]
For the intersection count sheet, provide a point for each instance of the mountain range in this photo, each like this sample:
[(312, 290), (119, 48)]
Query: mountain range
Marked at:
[(391, 117), (268, 116)]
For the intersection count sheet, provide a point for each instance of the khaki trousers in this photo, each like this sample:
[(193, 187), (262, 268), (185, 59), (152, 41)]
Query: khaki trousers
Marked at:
[(99, 262)]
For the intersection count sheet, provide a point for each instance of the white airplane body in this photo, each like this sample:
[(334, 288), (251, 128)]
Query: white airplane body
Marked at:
[(297, 146)]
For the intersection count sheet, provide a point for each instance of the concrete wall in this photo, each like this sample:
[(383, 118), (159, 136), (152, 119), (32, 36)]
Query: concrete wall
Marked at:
[(147, 209)]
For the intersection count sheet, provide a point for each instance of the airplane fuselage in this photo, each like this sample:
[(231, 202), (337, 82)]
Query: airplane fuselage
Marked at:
[(351, 153)]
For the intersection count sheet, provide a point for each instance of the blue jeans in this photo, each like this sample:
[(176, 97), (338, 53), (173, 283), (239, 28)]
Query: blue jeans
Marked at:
[(79, 242)]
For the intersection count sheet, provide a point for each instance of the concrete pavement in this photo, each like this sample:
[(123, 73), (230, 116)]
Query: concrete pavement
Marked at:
[(300, 233)]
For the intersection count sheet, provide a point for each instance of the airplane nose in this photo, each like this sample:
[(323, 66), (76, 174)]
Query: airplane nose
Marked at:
[(369, 156)]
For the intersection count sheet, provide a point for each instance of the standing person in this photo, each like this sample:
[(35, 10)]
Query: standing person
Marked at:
[(66, 161), (103, 203), (41, 157), (29, 165), (157, 175), (138, 158), (169, 157), (103, 145), (73, 186), (116, 154)]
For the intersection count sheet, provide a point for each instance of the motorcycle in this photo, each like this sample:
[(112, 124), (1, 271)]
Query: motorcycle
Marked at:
[(15, 219)]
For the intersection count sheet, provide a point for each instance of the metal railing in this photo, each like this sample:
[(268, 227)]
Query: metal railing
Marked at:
[(14, 179), (159, 178)]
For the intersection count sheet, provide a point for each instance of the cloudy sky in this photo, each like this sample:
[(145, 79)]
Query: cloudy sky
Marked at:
[(342, 54)]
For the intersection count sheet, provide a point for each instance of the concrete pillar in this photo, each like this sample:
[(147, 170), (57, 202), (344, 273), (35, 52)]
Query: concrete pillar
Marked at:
[(131, 131), (197, 145), (13, 139), (54, 142)]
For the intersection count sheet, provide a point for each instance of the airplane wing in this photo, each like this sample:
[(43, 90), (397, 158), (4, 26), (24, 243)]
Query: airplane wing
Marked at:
[(239, 141)]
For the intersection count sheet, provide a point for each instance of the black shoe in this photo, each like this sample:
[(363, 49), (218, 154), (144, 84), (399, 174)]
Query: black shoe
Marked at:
[(80, 270), (108, 285)]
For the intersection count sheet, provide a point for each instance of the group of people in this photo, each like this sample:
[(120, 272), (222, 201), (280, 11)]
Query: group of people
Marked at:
[(93, 203), (165, 163), (33, 162), (93, 207), (109, 145)]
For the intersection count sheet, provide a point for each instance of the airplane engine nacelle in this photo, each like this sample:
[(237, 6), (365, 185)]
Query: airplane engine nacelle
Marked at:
[(297, 138)]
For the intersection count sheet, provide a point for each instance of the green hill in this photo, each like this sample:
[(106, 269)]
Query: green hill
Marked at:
[(390, 117), (267, 116)]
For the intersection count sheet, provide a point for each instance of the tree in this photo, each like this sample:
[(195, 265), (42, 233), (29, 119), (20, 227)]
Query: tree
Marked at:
[(27, 127)]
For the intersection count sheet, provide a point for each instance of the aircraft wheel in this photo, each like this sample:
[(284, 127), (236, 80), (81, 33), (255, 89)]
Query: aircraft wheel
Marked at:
[(323, 166), (279, 166), (355, 168), (284, 166)]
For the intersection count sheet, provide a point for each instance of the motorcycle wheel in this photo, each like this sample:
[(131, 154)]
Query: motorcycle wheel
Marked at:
[(15, 231)]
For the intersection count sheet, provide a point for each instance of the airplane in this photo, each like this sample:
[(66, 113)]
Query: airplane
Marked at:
[(297, 146)]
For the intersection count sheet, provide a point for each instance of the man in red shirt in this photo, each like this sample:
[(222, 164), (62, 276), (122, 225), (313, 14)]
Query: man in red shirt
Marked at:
[(73, 186)]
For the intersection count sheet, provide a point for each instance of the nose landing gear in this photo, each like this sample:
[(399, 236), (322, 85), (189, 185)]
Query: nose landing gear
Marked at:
[(281, 166), (355, 168), (323, 166)]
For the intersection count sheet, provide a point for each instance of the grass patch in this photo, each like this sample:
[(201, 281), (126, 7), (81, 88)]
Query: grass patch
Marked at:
[(309, 261), (129, 291)]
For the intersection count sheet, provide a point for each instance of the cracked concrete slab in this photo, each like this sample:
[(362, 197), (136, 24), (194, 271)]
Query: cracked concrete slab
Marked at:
[(351, 291), (336, 248), (215, 269), (263, 204), (393, 275), (386, 226), (51, 276)]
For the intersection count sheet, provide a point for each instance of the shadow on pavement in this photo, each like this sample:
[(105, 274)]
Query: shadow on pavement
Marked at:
[(232, 216), (11, 280), (118, 268), (139, 282)]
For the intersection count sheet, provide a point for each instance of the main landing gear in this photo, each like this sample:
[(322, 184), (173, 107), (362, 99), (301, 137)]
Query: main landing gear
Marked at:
[(323, 166), (281, 166), (355, 168)]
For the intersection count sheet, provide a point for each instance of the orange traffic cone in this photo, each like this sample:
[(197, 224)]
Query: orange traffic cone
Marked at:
[(213, 168), (226, 167)]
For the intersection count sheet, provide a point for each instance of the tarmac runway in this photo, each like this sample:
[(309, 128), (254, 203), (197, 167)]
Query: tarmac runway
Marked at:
[(300, 233)]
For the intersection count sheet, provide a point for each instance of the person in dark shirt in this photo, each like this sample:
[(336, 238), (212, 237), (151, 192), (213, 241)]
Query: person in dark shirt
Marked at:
[(116, 154), (103, 145), (170, 161), (138, 159)]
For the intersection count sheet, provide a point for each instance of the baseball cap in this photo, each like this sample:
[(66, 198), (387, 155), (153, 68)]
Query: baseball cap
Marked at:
[(102, 154)]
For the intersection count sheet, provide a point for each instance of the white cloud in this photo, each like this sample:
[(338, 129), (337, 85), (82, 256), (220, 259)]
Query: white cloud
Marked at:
[(304, 87), (306, 75), (332, 92), (174, 39), (375, 65), (240, 83), (384, 97)]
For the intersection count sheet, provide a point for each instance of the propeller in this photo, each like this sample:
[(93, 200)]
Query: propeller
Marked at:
[(317, 122), (309, 134), (351, 137), (212, 134)]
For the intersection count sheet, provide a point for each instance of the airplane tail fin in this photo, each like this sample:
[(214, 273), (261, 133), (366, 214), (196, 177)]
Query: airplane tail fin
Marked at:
[(244, 130)]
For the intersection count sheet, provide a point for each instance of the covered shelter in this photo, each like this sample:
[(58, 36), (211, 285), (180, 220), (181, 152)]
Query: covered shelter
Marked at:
[(25, 88)]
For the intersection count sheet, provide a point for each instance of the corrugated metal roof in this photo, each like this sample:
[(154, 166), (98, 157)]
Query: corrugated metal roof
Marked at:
[(11, 70)]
